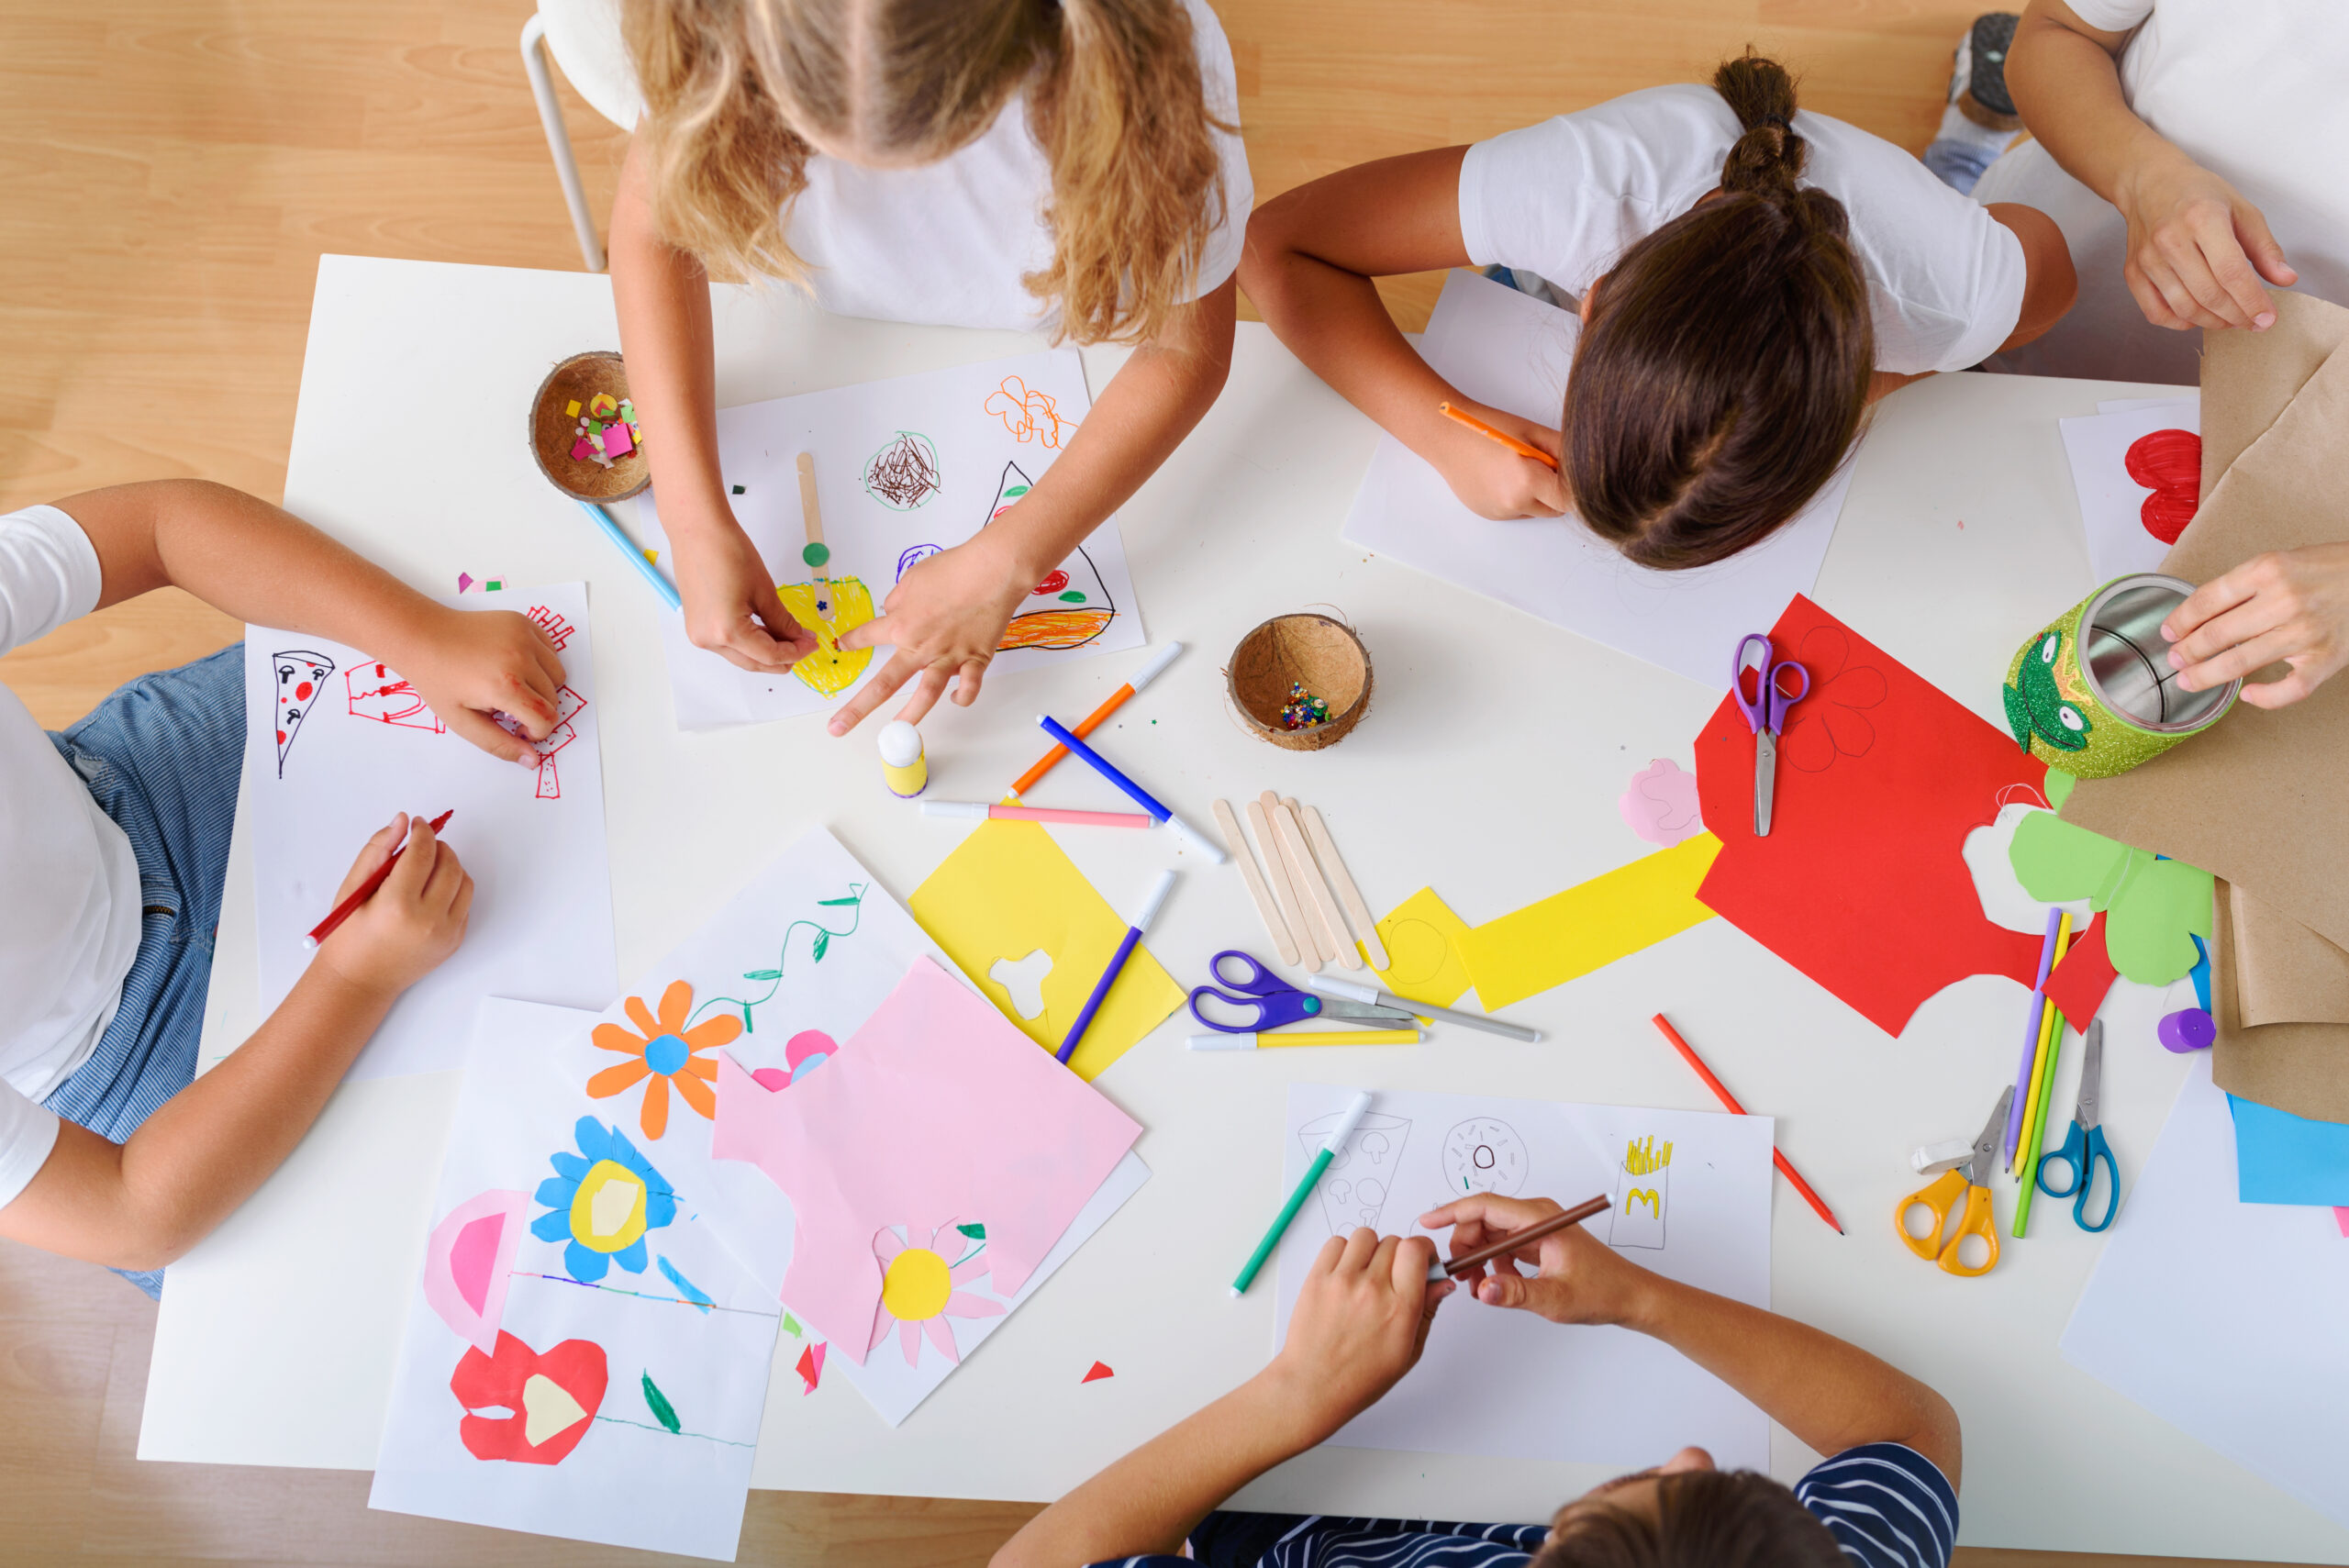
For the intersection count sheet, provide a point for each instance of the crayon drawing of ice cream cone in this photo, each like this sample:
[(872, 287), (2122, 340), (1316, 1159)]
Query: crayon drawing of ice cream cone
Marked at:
[(1071, 606), (828, 607), (1643, 1194)]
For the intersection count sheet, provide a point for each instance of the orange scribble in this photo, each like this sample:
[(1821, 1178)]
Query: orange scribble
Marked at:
[(1029, 414)]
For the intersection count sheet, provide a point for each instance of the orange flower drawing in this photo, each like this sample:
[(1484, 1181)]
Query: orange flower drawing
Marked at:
[(666, 1053)]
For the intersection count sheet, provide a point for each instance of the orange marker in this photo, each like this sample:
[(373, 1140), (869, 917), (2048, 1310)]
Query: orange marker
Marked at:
[(1092, 721), (1728, 1102), (1512, 442)]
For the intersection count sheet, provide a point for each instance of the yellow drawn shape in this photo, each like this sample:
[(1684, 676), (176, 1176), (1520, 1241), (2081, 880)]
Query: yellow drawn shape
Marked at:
[(1589, 925), (1423, 962), (1641, 1159), (917, 1285), (830, 671), (1655, 1201), (1008, 889)]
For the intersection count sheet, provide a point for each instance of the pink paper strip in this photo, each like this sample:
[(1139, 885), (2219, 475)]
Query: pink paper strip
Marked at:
[(938, 1109)]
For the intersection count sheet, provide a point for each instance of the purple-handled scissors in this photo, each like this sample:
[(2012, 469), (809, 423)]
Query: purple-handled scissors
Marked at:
[(1765, 713), (1270, 1002)]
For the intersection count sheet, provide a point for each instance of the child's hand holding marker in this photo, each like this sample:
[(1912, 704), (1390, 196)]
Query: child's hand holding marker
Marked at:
[(1361, 1320), (469, 665), (416, 918), (1475, 448), (1574, 1278)]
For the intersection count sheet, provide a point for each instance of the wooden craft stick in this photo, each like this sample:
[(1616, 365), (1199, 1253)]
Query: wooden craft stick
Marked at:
[(1334, 868), (1310, 935), (1326, 904), (1276, 874), (817, 553), (1321, 910), (1260, 894)]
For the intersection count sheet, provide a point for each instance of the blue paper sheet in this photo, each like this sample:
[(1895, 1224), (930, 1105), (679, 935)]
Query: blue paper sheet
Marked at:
[(2282, 1158)]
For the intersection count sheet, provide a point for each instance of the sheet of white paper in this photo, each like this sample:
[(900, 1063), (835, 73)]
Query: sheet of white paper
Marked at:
[(2112, 502), (665, 1384), (1512, 351), (904, 468), (896, 1388), (2224, 1318), (2131, 404), (1508, 1385), (328, 768)]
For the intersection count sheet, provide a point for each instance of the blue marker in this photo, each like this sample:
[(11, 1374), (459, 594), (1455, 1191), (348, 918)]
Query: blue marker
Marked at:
[(1141, 797)]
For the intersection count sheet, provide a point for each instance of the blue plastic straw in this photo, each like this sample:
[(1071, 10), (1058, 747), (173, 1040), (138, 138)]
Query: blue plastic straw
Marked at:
[(635, 557)]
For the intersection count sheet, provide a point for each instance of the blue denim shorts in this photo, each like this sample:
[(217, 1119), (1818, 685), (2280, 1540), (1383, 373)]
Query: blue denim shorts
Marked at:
[(162, 756)]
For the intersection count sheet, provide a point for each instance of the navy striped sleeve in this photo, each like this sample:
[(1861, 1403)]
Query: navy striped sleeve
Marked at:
[(1887, 1505)]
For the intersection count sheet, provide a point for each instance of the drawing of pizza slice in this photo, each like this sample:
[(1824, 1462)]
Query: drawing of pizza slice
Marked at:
[(301, 674), (1071, 606)]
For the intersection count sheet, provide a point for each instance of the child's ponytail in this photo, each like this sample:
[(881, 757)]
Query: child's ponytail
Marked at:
[(1724, 369)]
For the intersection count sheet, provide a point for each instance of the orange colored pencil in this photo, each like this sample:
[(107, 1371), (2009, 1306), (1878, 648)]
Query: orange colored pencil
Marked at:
[(1728, 1101), (1520, 448)]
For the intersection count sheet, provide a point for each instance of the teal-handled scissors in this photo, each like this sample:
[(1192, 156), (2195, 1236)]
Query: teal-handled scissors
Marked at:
[(2084, 1144)]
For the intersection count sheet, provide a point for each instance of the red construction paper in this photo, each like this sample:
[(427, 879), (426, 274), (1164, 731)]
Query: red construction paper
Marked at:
[(1861, 883), (502, 1382), (811, 1366), (2079, 982), (1100, 1370)]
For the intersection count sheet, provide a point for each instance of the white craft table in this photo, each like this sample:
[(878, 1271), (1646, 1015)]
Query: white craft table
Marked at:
[(1488, 767)]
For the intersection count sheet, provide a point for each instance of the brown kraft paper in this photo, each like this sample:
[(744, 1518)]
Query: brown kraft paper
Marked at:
[(2302, 1068)]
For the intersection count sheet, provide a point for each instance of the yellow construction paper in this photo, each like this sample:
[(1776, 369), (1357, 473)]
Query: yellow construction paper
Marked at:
[(1422, 937), (1007, 891), (1589, 925)]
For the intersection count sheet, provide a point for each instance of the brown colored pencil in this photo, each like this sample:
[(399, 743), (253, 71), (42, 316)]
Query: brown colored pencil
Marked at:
[(1535, 1232)]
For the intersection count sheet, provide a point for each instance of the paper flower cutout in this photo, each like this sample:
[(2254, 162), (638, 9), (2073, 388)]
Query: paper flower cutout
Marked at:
[(1834, 720), (604, 1198), (2153, 908), (802, 1054), (918, 1292), (665, 1052), (549, 1401), (1660, 804)]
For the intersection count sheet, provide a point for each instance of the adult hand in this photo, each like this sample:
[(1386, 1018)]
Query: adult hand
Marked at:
[(945, 618), (415, 920), (2286, 607), (1361, 1320), (1492, 481), (1576, 1279), (469, 665), (730, 604), (2197, 249)]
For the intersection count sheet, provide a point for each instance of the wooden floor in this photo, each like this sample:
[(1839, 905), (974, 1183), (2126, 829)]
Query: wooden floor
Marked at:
[(174, 167)]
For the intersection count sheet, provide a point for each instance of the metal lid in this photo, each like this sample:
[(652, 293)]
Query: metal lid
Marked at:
[(2125, 661)]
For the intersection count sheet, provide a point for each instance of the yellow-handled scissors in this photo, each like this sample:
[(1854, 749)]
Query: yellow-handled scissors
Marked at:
[(1971, 1181)]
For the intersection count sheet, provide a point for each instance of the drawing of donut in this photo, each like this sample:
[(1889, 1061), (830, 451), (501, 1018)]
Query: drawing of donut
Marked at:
[(1483, 1154)]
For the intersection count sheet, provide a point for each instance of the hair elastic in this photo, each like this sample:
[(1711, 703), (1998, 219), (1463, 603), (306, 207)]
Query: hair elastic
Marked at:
[(1779, 120)]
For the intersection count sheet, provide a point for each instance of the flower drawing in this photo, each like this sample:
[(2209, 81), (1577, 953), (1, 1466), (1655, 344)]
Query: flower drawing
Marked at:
[(1832, 721), (603, 1199), (918, 1292), (663, 1052)]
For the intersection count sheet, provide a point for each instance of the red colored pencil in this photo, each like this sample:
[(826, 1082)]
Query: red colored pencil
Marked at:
[(1728, 1101), (365, 890)]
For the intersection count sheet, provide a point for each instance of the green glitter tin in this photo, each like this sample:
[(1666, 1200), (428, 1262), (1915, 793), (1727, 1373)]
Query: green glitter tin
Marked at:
[(2102, 712)]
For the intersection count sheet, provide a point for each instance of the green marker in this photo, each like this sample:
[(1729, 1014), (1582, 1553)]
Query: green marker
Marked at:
[(1330, 1147)]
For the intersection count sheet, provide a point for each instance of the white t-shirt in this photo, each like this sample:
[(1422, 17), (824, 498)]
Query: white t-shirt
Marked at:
[(2257, 92), (69, 921), (1567, 197), (946, 244)]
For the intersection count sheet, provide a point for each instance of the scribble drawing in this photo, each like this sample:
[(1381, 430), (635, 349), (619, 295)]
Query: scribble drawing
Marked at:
[(827, 607), (559, 631), (1361, 1177), (918, 1287), (904, 474), (1483, 1154), (1028, 414), (1643, 1194), (300, 674), (912, 554), (1071, 606), (544, 1400), (2168, 463), (379, 692)]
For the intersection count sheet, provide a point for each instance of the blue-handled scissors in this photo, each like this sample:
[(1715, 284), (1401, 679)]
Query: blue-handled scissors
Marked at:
[(2084, 1144), (1766, 715), (1269, 1002)]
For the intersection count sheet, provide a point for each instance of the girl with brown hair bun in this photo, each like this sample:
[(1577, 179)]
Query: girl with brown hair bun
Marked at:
[(1069, 166), (1749, 278)]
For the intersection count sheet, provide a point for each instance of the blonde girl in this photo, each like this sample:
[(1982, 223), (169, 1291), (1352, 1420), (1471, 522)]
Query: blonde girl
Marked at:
[(1072, 168)]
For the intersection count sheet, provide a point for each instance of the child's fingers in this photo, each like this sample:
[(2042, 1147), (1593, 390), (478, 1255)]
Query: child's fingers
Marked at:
[(924, 694), (415, 866), (492, 736), (374, 853), (1326, 1260), (877, 691), (967, 685), (448, 874), (461, 911), (1502, 1215), (1360, 1247)]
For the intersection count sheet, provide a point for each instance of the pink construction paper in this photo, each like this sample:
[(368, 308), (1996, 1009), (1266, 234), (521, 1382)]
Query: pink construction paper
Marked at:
[(468, 1261), (2341, 1218), (937, 1109)]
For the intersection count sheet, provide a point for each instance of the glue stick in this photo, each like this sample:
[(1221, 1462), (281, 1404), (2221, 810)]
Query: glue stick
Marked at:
[(903, 767)]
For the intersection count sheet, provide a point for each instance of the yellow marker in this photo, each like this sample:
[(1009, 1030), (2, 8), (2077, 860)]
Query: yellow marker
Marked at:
[(903, 767), (1302, 1037)]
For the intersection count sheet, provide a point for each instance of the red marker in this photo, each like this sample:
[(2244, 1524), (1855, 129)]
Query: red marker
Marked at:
[(365, 890)]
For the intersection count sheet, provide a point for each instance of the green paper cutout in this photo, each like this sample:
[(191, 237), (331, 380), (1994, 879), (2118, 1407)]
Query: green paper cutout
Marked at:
[(976, 1232), (791, 1324), (2153, 908), (658, 1403), (2059, 787)]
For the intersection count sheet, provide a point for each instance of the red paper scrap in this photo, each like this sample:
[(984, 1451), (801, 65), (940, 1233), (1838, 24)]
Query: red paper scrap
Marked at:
[(1861, 883), (2079, 982), (1100, 1370), (811, 1366)]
